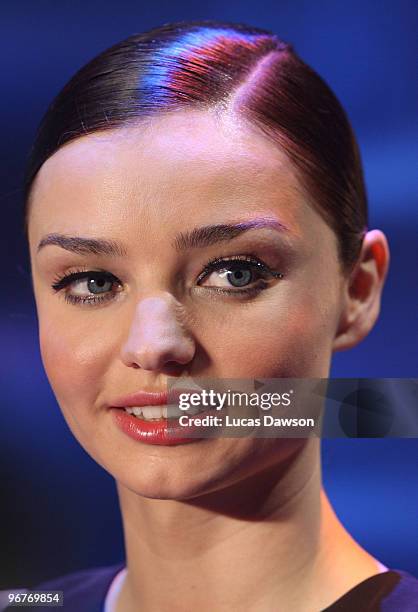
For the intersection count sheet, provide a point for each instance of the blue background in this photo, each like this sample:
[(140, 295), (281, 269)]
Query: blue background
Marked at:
[(59, 510)]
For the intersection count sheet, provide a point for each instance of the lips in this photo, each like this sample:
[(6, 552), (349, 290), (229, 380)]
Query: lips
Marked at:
[(163, 431), (142, 398), (147, 398)]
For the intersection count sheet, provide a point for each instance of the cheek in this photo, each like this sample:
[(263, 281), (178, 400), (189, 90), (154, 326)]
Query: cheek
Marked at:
[(271, 341), (75, 358)]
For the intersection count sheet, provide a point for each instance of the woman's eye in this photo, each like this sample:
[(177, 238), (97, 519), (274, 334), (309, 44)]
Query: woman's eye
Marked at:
[(92, 284), (87, 286), (237, 274)]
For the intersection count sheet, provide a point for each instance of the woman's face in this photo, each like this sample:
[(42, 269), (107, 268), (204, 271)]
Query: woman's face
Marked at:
[(148, 191)]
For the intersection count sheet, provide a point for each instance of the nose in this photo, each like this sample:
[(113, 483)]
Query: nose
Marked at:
[(157, 335)]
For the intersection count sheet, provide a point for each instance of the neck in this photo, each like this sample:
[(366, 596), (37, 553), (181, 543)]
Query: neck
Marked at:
[(231, 550)]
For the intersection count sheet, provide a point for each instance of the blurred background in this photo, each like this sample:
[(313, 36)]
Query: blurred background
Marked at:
[(58, 510)]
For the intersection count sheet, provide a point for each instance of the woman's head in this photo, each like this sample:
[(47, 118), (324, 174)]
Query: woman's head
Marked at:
[(217, 190)]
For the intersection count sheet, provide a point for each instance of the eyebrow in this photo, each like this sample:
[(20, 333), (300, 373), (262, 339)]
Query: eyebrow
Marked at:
[(211, 234), (196, 238), (84, 246)]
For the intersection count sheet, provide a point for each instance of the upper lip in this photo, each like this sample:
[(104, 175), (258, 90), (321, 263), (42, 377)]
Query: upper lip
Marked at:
[(148, 398)]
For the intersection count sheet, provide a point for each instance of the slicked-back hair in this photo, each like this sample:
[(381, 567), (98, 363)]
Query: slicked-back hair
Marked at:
[(235, 68)]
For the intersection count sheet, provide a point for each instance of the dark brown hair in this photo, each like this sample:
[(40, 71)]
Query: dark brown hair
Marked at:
[(202, 64)]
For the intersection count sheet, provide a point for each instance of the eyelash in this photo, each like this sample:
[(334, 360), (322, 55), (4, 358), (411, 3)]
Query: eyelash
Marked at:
[(220, 263), (60, 282)]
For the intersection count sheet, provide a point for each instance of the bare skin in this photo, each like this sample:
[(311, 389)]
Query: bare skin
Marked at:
[(221, 524)]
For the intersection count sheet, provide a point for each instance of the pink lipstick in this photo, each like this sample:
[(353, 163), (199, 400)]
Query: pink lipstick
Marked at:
[(160, 431)]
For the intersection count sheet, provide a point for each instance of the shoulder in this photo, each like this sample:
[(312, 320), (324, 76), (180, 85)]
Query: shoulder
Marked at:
[(405, 594), (84, 590), (391, 591)]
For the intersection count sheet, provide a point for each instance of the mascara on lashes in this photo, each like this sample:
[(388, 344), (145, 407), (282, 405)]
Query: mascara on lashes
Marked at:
[(213, 266)]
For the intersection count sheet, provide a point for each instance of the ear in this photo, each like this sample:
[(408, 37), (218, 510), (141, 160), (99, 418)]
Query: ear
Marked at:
[(362, 292)]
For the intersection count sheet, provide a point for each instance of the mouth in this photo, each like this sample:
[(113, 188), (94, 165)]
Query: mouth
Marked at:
[(156, 417), (161, 412), (159, 424)]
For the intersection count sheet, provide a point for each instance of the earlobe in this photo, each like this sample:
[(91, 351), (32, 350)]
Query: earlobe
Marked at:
[(362, 292)]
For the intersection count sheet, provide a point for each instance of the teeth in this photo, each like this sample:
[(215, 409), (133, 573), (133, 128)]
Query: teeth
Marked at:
[(194, 410), (136, 411), (152, 412), (157, 412), (172, 412)]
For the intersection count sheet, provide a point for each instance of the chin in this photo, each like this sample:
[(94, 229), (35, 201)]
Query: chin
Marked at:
[(176, 489), (178, 479)]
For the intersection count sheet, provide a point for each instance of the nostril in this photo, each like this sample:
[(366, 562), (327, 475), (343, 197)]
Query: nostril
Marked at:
[(156, 338), (175, 366)]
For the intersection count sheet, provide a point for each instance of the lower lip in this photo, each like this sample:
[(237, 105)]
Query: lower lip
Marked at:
[(167, 432)]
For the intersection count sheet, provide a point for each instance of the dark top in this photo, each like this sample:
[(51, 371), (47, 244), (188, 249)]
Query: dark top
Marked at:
[(391, 591)]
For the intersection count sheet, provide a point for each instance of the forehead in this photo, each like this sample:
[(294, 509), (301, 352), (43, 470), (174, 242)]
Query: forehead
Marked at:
[(185, 165)]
